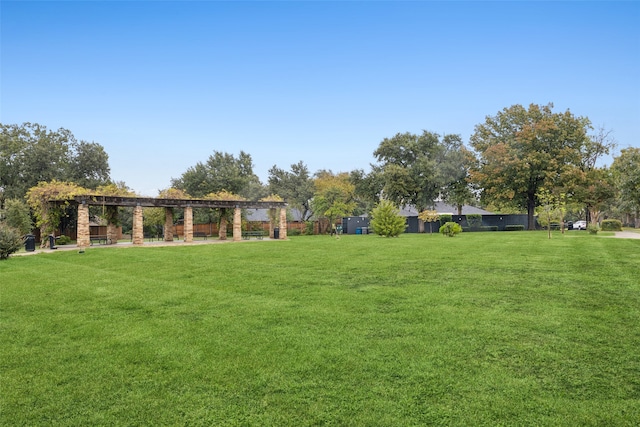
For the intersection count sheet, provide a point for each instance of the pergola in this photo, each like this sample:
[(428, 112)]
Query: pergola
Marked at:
[(83, 203)]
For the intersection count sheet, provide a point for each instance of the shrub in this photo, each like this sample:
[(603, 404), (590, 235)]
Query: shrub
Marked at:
[(294, 232), (63, 240), (10, 240), (451, 229), (308, 228), (514, 227), (17, 216), (592, 229), (474, 220), (386, 220), (611, 225), (445, 218)]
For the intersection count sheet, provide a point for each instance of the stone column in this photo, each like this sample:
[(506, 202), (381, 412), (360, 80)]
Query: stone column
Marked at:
[(168, 224), (112, 228), (272, 219), (237, 224), (222, 231), (188, 224), (112, 234), (138, 231), (84, 233), (283, 223)]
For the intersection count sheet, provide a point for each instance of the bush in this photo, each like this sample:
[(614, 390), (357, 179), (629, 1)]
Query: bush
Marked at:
[(450, 229), (10, 240), (309, 228), (611, 225), (386, 220), (445, 218), (17, 216), (514, 227), (474, 220), (294, 232), (592, 229), (63, 240)]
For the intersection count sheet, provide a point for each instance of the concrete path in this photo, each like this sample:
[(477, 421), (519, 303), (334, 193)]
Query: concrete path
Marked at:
[(627, 235)]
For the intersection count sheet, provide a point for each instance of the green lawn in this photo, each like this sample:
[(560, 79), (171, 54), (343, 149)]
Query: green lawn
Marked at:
[(502, 328)]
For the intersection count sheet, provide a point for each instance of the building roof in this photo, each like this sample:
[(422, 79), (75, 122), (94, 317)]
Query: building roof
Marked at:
[(444, 208)]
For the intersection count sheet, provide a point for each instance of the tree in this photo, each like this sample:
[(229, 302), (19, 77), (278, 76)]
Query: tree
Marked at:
[(550, 209), (16, 214), (368, 188), (386, 219), (429, 216), (89, 166), (521, 150), (597, 193), (295, 186), (333, 197), (10, 240), (454, 167), (627, 172), (409, 166), (30, 153), (587, 183), (221, 172)]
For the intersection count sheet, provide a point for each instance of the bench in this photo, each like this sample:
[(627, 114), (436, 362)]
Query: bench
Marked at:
[(200, 234), (249, 234), (98, 239)]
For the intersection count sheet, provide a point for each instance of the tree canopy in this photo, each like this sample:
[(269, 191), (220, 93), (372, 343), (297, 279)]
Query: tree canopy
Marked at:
[(627, 172), (409, 168), (334, 196), (30, 153), (295, 186), (522, 150), (221, 172)]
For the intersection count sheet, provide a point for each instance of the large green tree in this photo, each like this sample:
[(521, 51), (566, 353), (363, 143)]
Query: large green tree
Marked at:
[(30, 153), (221, 172), (454, 169), (523, 149), (368, 188), (410, 169), (627, 172), (294, 186)]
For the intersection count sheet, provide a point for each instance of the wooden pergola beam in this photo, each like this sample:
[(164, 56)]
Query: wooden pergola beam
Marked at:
[(151, 202)]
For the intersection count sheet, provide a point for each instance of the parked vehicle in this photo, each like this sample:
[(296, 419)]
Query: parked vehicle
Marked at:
[(580, 225)]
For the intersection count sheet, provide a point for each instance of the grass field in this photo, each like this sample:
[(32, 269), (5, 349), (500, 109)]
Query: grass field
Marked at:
[(488, 329)]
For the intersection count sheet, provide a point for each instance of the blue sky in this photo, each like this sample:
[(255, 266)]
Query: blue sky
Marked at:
[(162, 85)]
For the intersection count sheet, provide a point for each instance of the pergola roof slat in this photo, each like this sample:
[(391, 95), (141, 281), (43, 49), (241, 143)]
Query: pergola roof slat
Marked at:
[(169, 203)]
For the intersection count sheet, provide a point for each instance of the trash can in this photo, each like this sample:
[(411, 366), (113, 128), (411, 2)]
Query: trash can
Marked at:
[(359, 230), (365, 230), (52, 242), (276, 233), (29, 243)]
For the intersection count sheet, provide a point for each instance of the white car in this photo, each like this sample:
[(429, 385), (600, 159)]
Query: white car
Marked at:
[(580, 225)]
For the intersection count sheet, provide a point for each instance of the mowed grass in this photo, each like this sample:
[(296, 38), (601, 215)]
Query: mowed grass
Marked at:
[(482, 329)]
